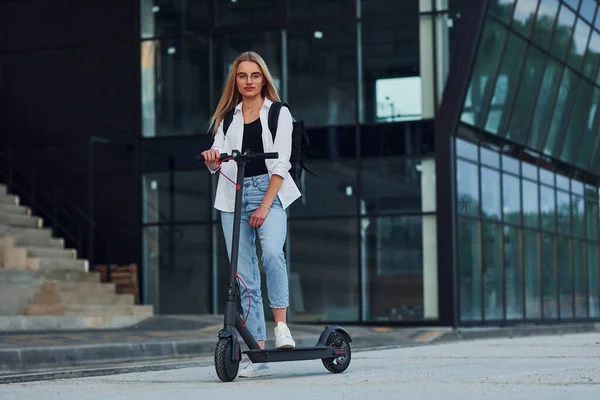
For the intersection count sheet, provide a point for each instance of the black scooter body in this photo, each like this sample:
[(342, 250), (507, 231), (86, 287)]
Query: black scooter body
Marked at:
[(332, 347)]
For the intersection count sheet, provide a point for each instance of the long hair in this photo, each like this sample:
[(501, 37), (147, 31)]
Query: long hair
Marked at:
[(231, 97)]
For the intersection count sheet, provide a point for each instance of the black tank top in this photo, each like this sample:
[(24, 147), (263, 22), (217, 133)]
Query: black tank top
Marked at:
[(252, 140)]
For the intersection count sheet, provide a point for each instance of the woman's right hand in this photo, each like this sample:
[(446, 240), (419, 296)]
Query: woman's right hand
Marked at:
[(211, 157)]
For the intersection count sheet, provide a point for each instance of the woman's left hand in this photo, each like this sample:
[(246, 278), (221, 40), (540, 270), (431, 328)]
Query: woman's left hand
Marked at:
[(258, 217)]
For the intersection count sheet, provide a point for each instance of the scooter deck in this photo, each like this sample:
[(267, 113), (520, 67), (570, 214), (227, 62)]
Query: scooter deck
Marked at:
[(295, 354)]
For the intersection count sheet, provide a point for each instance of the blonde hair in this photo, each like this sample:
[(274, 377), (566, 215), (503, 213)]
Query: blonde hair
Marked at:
[(231, 97)]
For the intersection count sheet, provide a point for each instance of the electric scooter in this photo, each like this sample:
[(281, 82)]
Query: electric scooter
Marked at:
[(332, 347)]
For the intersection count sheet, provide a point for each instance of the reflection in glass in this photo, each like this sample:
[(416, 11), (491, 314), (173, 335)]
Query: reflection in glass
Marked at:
[(542, 113), (400, 272), (324, 251), (549, 283), (490, 193), (592, 58), (246, 12), (492, 270), (524, 16), (531, 205), (578, 121), (502, 9), (510, 164), (579, 278), (467, 178), (514, 274), (506, 85), (490, 158), (593, 280), (578, 213), (469, 269), (590, 127), (566, 96), (562, 33), (511, 198), (466, 149), (591, 218), (548, 208), (563, 211), (526, 96), (579, 43), (588, 9), (532, 274), (301, 9), (482, 79), (564, 278), (328, 62), (542, 31)]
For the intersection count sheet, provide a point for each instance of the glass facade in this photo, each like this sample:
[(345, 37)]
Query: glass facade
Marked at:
[(525, 159), (362, 239), (370, 79)]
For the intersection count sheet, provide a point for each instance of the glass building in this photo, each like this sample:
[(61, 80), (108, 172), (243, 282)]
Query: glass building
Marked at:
[(455, 145)]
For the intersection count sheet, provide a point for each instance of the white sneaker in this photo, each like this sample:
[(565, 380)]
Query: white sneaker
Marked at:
[(255, 370), (283, 337)]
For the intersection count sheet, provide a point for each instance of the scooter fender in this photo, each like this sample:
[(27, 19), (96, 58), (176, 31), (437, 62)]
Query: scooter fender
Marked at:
[(236, 354), (328, 331)]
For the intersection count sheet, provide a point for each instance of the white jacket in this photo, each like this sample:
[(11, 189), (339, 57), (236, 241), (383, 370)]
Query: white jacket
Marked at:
[(225, 197)]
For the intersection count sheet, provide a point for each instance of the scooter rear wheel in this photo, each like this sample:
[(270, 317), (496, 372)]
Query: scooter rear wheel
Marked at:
[(337, 365), (226, 368)]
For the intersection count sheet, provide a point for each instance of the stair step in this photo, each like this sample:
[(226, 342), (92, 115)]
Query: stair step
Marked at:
[(56, 264), (108, 310), (17, 276), (21, 220), (10, 199), (49, 252), (23, 231), (3, 189), (101, 299), (14, 209), (40, 242), (87, 287)]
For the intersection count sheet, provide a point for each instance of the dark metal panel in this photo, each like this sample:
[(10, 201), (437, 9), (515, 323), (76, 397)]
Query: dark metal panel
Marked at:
[(446, 124)]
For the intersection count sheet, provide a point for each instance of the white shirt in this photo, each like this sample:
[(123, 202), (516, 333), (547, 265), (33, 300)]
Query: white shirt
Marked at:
[(225, 197)]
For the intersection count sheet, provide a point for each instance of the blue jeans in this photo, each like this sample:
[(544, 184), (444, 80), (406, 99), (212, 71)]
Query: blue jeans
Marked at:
[(272, 235)]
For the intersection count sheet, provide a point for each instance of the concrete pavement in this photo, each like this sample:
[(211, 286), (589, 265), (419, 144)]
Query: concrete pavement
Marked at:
[(556, 367)]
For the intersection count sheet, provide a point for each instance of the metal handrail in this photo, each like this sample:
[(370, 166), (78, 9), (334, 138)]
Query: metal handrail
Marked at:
[(24, 180)]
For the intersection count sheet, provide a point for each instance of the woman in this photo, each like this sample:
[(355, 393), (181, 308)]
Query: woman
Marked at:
[(268, 190)]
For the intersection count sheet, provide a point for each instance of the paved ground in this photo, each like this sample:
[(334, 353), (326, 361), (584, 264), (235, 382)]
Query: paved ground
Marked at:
[(545, 368)]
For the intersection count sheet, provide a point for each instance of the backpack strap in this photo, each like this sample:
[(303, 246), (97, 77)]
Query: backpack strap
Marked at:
[(227, 120), (274, 116)]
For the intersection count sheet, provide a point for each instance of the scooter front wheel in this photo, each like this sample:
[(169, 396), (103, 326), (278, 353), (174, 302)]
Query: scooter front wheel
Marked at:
[(226, 368), (337, 365)]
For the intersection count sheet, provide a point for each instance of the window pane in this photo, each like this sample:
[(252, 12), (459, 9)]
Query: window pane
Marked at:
[(333, 159), (514, 273), (542, 113), (324, 251), (579, 43), (511, 196), (590, 64), (466, 150), (542, 31), (399, 269), (591, 218), (579, 276), (532, 275), (246, 12), (573, 3), (469, 269), (323, 58), (526, 96), (510, 164), (169, 17), (506, 85), (549, 276), (490, 193), (398, 184), (562, 33), (588, 9), (566, 96), (490, 158), (482, 78), (492, 270), (502, 9), (590, 127), (564, 278), (578, 213), (468, 188), (301, 9), (577, 122), (391, 63), (182, 255), (175, 87), (563, 208), (548, 208), (531, 206), (524, 16), (593, 280)]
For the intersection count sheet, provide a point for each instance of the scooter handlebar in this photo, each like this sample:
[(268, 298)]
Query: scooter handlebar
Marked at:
[(249, 156)]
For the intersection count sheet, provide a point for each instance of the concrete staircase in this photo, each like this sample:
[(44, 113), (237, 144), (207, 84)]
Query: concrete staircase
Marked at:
[(43, 285)]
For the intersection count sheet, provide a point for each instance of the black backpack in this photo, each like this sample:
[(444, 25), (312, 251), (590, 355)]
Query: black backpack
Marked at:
[(299, 139)]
